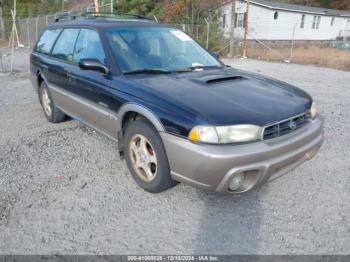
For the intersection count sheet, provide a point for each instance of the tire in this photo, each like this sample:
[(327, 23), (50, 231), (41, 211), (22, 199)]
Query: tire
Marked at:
[(51, 112), (143, 146)]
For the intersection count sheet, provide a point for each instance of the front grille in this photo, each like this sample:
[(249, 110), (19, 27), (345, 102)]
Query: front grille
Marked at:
[(286, 126)]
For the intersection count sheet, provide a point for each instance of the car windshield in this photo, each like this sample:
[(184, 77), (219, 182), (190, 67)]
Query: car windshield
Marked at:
[(150, 49)]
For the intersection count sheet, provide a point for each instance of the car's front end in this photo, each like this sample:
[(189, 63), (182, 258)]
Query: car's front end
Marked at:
[(240, 167), (247, 129)]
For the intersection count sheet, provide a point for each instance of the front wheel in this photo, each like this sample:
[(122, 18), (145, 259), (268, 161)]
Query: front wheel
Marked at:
[(146, 157)]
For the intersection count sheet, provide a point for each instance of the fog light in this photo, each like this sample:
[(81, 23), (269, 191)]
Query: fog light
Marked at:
[(236, 181)]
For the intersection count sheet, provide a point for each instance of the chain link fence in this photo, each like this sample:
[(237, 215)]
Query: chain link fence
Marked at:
[(29, 29), (211, 34)]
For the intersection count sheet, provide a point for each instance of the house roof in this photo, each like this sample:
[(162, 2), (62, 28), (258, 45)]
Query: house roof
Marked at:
[(299, 8)]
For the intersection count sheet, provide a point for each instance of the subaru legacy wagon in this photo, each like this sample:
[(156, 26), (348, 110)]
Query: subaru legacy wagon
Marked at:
[(176, 111)]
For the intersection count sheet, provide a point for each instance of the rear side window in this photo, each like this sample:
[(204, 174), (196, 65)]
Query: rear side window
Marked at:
[(47, 40), (64, 46), (89, 46)]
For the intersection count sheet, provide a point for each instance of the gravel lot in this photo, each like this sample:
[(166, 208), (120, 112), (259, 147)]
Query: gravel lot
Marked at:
[(64, 190)]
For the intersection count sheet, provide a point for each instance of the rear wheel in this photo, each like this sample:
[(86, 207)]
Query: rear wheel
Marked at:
[(146, 157), (51, 112)]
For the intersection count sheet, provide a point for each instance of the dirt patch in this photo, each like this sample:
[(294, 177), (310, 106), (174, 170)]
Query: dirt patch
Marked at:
[(322, 56)]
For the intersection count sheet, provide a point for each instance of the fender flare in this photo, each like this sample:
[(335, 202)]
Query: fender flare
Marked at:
[(133, 107), (136, 108)]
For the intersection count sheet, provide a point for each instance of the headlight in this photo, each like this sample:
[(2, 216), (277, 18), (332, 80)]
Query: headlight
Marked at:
[(205, 134), (313, 110), (225, 134)]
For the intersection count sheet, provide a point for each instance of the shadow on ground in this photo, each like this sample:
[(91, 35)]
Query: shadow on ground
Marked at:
[(229, 223)]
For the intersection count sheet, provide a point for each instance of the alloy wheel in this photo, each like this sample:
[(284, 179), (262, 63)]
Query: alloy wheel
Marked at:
[(143, 157)]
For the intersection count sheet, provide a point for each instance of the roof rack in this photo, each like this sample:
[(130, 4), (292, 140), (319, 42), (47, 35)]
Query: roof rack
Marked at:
[(67, 16), (75, 15)]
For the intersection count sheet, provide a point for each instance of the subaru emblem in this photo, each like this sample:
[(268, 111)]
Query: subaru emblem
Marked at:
[(292, 125)]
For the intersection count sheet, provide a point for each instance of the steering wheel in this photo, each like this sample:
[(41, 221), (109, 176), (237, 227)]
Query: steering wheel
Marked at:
[(170, 60)]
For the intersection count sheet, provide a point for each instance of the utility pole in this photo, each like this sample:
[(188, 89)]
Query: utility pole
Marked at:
[(97, 6), (232, 29), (112, 6), (246, 25)]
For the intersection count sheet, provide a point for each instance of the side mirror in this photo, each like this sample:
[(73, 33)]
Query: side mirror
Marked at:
[(94, 65), (215, 54)]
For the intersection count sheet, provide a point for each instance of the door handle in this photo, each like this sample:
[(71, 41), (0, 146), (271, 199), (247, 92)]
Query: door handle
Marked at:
[(70, 77)]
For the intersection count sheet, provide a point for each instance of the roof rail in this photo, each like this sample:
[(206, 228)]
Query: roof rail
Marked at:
[(67, 16), (75, 15), (115, 15)]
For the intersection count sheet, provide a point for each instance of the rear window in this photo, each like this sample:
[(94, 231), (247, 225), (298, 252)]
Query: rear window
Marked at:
[(47, 40)]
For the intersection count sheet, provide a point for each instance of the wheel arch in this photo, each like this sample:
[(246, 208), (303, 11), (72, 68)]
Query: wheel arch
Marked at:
[(130, 112), (131, 108)]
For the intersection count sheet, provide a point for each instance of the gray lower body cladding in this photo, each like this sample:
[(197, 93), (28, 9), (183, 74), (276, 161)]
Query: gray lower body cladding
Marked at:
[(212, 166)]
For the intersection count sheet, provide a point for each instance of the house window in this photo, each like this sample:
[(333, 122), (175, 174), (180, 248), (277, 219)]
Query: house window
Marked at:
[(316, 22), (302, 23), (275, 15), (224, 21), (332, 22), (239, 21)]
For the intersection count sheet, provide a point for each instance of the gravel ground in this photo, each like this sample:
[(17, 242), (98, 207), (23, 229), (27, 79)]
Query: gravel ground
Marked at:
[(64, 190)]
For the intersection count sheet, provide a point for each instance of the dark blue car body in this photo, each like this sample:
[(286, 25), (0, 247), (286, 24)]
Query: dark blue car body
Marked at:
[(223, 96)]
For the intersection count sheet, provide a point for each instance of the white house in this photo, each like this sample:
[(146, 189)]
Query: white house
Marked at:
[(270, 20)]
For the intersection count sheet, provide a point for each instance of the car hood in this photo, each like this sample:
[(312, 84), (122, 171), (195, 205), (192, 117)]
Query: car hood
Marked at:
[(228, 96)]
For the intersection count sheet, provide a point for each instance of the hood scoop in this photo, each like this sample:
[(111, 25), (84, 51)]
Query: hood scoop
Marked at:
[(224, 79)]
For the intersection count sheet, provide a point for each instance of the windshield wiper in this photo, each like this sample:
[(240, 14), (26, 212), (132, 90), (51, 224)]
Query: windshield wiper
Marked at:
[(148, 71)]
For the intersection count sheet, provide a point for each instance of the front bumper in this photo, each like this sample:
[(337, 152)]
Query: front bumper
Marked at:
[(212, 166)]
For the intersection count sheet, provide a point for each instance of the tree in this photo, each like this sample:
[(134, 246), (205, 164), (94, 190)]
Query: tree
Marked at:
[(142, 7), (336, 4), (2, 25), (189, 10), (340, 4)]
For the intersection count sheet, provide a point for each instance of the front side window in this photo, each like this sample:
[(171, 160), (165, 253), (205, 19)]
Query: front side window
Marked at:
[(89, 46), (64, 46), (157, 48), (46, 41)]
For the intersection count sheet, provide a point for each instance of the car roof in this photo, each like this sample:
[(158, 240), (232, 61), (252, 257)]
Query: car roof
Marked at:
[(105, 22)]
